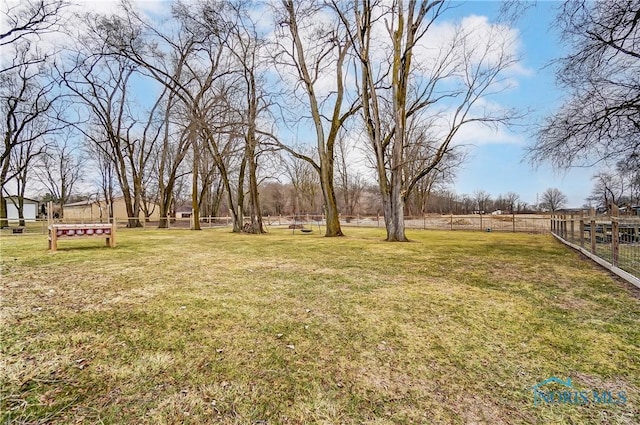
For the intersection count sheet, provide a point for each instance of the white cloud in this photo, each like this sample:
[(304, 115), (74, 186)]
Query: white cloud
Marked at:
[(477, 134), (157, 7)]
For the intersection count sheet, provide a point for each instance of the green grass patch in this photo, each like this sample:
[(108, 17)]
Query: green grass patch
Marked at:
[(181, 327)]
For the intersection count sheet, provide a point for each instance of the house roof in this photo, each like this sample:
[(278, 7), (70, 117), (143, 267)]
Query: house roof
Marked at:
[(80, 203), (24, 198), (88, 202)]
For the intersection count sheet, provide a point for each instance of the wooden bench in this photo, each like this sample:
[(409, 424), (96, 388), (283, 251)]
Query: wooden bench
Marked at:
[(56, 231), (17, 230)]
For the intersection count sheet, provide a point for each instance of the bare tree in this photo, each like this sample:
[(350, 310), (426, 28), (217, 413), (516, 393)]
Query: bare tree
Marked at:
[(246, 46), (350, 182), (482, 200), (172, 151), (600, 119), (317, 48), (22, 158), (29, 111), (105, 181), (26, 93), (195, 74), (608, 189), (59, 169), (467, 202), (553, 199), (511, 198), (396, 88), (305, 182), (418, 155), (103, 85)]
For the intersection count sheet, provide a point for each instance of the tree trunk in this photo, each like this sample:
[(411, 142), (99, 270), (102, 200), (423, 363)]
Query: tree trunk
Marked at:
[(393, 205), (132, 216), (254, 197), (21, 211), (164, 211), (332, 215), (401, 66), (165, 195), (195, 205), (137, 199), (3, 212), (250, 152)]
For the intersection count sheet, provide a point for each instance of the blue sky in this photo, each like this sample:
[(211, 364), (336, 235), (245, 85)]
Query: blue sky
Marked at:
[(499, 167), (497, 164)]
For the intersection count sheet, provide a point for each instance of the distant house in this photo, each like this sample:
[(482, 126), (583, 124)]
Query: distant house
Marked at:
[(496, 212), (568, 211), (184, 213), (30, 211), (98, 210), (629, 210)]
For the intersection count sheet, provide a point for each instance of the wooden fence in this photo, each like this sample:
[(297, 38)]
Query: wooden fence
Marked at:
[(611, 240)]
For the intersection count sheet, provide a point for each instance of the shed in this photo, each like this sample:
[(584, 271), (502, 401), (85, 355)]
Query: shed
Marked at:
[(97, 210), (30, 211)]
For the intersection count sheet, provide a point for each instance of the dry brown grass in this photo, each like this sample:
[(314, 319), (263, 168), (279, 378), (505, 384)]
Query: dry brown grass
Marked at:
[(179, 327)]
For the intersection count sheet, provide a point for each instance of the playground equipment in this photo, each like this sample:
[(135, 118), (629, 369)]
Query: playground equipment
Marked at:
[(304, 222)]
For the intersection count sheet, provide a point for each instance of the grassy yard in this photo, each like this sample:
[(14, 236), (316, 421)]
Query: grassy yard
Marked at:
[(180, 327)]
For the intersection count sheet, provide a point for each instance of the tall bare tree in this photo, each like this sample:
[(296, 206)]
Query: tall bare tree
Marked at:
[(196, 72), (247, 48), (396, 88), (22, 159), (316, 48), (26, 91), (171, 153), (29, 111), (105, 179), (103, 84)]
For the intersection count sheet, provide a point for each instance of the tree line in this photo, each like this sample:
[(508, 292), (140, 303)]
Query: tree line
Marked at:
[(217, 102)]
